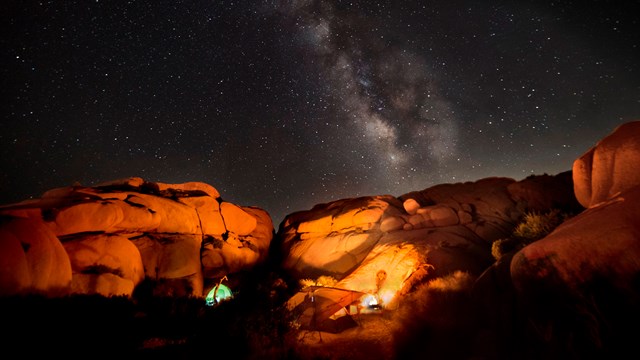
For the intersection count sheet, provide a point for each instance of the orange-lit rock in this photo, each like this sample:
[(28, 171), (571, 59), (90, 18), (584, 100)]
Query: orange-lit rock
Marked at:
[(397, 261), (411, 206), (610, 167), (150, 231), (188, 187), (172, 257), (441, 215), (263, 233), (494, 211), (237, 220), (602, 242), (392, 223), (128, 183), (320, 225), (362, 218), (86, 217), (238, 252), (137, 211), (334, 255), (208, 213), (104, 264), (125, 211), (32, 259)]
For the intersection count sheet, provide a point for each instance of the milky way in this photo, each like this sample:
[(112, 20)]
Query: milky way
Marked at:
[(287, 104)]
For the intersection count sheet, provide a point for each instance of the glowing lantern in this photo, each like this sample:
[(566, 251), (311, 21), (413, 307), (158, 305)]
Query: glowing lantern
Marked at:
[(371, 302)]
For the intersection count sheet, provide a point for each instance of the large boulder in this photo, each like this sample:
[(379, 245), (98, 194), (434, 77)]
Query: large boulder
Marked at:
[(105, 264), (32, 258), (610, 167)]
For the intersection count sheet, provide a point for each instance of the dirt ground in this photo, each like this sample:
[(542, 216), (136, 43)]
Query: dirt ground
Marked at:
[(371, 340)]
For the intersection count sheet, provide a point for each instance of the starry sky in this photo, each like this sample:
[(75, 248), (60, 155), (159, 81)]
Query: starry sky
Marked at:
[(287, 104)]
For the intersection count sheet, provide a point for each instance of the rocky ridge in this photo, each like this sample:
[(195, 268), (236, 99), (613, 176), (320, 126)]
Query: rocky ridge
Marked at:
[(109, 238)]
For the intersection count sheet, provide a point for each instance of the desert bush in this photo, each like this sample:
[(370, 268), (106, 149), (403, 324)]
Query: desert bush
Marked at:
[(501, 247), (327, 281), (534, 226), (436, 320)]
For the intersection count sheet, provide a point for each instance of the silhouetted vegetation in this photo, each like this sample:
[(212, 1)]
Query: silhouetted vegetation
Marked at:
[(534, 226), (251, 325), (71, 326), (436, 321)]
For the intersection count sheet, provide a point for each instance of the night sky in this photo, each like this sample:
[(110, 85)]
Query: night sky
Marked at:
[(287, 104)]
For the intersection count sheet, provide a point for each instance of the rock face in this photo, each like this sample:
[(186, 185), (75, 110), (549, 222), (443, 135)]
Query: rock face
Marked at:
[(109, 238), (610, 167), (580, 283), (384, 244), (33, 259)]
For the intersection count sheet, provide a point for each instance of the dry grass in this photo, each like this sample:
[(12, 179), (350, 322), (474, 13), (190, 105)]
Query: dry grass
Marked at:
[(431, 323), (371, 339)]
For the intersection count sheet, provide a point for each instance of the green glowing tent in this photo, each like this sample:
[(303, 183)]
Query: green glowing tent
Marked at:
[(219, 293)]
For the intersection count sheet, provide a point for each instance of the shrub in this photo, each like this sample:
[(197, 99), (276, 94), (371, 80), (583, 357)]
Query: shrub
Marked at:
[(436, 321), (327, 281), (534, 226), (504, 246)]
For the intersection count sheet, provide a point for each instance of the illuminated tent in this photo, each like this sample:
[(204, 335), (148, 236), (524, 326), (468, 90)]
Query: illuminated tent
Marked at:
[(324, 308), (218, 293)]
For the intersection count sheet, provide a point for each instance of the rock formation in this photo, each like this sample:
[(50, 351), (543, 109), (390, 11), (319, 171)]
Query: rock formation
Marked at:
[(109, 238), (428, 233)]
